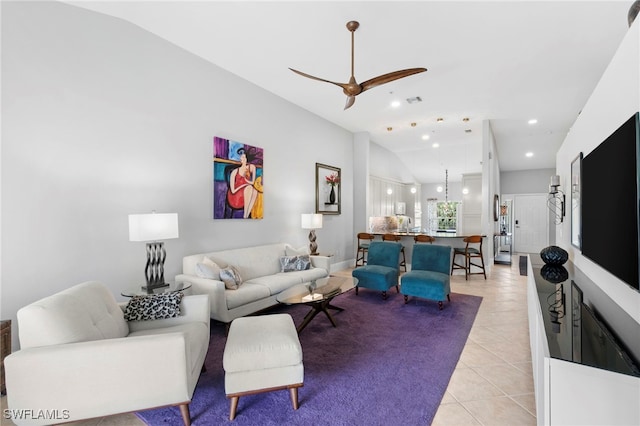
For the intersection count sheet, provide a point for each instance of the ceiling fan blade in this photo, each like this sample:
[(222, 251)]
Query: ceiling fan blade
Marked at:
[(386, 78), (342, 85), (350, 101)]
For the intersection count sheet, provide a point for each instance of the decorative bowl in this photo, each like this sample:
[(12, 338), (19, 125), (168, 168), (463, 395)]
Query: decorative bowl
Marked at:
[(554, 255)]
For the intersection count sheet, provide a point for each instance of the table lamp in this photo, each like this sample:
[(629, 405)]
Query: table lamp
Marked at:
[(152, 228), (312, 221)]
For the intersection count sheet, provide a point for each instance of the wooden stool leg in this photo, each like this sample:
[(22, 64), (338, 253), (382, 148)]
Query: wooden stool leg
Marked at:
[(234, 407), (294, 397), (467, 266)]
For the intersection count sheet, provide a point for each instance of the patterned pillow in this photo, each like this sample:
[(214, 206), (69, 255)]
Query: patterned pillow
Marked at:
[(230, 277), (153, 306), (295, 263)]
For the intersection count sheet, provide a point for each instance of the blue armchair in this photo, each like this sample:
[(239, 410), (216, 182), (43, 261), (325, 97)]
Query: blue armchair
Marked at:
[(381, 270), (429, 275)]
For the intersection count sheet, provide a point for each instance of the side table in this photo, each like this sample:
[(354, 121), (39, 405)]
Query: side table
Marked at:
[(5, 350), (171, 288)]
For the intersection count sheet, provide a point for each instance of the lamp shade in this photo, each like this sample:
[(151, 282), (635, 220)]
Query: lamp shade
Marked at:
[(311, 221), (153, 226)]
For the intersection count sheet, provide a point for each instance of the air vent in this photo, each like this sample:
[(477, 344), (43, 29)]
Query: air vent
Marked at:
[(414, 100)]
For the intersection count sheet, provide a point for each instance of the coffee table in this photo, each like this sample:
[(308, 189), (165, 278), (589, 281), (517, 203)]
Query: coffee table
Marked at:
[(324, 290)]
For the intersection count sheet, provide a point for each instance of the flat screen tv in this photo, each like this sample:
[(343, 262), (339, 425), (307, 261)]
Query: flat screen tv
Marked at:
[(609, 194)]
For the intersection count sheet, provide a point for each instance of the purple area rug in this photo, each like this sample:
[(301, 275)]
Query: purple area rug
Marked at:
[(385, 363)]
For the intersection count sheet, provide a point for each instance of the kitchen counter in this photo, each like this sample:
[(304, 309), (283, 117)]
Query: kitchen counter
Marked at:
[(433, 234), (451, 239)]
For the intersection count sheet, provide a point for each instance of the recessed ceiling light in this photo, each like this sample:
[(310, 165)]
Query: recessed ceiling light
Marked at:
[(439, 119), (439, 189), (389, 191), (395, 104), (533, 121), (413, 190), (435, 145), (465, 191), (529, 154), (425, 137)]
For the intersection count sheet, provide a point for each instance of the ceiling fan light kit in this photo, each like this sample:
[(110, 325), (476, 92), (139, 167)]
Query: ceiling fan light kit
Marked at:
[(352, 88)]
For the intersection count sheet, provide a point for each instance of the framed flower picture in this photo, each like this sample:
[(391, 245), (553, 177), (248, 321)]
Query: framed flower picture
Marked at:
[(328, 184)]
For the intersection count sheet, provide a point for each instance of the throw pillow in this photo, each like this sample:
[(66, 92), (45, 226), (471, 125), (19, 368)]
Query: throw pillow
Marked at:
[(292, 251), (212, 268), (153, 306), (295, 263), (207, 271), (230, 277)]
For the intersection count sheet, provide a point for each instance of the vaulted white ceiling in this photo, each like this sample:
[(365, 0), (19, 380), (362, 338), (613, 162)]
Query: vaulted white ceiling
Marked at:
[(501, 61)]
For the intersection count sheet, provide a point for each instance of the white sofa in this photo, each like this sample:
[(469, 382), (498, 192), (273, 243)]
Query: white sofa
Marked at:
[(259, 268), (80, 358)]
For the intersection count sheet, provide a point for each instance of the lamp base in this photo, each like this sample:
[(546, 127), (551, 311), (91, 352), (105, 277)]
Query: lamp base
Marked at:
[(313, 246), (154, 270)]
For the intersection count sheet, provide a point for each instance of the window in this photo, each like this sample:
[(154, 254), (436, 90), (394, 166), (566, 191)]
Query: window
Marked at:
[(442, 215), (447, 215)]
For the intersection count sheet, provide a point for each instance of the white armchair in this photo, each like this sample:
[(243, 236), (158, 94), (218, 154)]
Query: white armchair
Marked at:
[(80, 359)]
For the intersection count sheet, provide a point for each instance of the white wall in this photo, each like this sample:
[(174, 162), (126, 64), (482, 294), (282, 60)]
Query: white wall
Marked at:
[(531, 182), (102, 119), (614, 100), (526, 181), (387, 165), (430, 190)]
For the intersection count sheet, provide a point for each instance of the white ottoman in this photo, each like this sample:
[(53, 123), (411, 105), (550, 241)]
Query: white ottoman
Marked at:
[(262, 354)]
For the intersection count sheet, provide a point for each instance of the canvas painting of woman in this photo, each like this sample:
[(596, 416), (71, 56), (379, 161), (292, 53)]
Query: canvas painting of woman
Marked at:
[(237, 180)]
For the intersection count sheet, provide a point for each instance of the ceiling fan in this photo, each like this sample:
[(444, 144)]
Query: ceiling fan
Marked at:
[(353, 89)]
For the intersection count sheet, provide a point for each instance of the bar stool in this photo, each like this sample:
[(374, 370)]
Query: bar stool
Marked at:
[(422, 238), (397, 238), (469, 253), (364, 239)]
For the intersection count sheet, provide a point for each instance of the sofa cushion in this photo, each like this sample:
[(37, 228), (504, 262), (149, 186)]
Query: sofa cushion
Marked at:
[(153, 306), (307, 275), (231, 278), (251, 262), (84, 312), (277, 282), (295, 263), (247, 293)]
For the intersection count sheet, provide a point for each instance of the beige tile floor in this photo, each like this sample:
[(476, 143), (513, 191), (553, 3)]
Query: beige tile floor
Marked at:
[(492, 383)]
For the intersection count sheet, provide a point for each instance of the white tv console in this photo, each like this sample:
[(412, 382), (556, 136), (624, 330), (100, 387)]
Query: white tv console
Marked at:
[(569, 392)]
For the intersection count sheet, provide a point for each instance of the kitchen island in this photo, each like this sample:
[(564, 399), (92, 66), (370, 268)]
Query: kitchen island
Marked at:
[(451, 239)]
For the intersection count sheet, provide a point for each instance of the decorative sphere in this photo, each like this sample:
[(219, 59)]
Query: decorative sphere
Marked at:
[(554, 273), (554, 255)]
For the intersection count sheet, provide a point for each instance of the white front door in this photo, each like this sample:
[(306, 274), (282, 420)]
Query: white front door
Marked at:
[(530, 223)]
